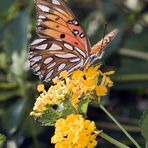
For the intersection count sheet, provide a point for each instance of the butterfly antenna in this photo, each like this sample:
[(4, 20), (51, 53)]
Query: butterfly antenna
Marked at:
[(103, 62), (104, 36)]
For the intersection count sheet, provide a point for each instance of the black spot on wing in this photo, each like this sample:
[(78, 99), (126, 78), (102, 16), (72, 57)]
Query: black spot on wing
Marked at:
[(62, 36)]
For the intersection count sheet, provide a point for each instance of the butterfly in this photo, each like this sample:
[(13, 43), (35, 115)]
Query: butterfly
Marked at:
[(62, 43)]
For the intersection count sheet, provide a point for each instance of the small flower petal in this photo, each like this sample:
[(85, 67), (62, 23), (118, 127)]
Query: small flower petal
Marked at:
[(101, 90), (64, 74), (41, 88), (91, 72), (77, 75)]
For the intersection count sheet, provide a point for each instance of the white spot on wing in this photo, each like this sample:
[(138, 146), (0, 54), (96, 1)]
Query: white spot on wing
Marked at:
[(30, 56), (67, 55), (61, 66), (41, 76), (41, 17), (42, 47), (37, 69), (49, 75), (32, 63), (81, 52), (37, 41), (56, 2), (53, 64), (75, 22), (82, 35), (39, 20), (38, 23), (44, 8), (38, 73), (75, 32), (55, 47), (76, 66), (75, 60), (36, 59), (48, 60), (68, 46), (34, 66)]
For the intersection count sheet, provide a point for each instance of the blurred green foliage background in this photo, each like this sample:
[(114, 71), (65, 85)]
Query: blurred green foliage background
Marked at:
[(127, 55)]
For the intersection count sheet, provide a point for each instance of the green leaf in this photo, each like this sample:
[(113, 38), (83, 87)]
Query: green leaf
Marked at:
[(8, 95), (2, 139), (7, 86), (68, 108), (3, 60), (49, 118), (5, 5), (83, 106), (15, 36), (14, 115), (144, 126)]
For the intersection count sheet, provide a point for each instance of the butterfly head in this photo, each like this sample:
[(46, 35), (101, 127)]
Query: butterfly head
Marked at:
[(92, 58)]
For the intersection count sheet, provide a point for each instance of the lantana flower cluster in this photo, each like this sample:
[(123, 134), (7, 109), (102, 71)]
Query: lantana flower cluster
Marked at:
[(82, 83), (72, 130), (75, 132)]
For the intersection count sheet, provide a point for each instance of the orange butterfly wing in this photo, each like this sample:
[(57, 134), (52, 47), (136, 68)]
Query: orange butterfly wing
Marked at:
[(63, 44), (56, 20)]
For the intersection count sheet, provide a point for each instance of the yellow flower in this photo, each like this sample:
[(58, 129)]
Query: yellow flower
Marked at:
[(108, 82), (70, 132), (75, 100), (64, 74), (92, 143), (91, 72), (109, 73), (89, 85), (77, 75), (101, 90), (41, 88), (82, 83), (54, 96)]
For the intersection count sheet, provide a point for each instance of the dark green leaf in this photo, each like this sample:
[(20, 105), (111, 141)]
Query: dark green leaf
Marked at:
[(15, 35), (13, 116), (68, 108), (49, 118), (144, 126), (83, 106), (8, 95)]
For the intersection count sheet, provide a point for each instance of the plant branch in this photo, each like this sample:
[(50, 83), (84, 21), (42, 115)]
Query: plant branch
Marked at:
[(113, 141), (120, 126)]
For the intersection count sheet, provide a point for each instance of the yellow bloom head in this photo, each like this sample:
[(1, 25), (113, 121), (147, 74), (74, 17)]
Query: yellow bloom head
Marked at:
[(89, 83), (72, 130)]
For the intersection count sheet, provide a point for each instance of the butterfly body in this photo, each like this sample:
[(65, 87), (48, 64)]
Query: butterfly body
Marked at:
[(62, 43)]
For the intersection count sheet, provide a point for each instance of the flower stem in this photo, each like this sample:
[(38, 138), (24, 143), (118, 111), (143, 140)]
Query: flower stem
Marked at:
[(113, 141), (120, 126)]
